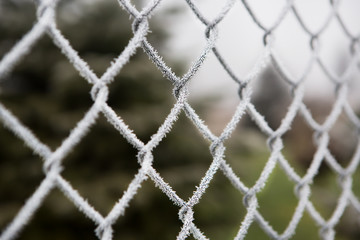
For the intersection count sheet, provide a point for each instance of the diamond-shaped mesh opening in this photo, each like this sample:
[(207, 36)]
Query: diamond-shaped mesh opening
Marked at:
[(268, 85), (171, 44), (247, 158), (343, 140), (82, 23), (183, 32), (44, 99), (292, 47), (217, 103), (334, 49), (319, 97), (278, 184), (141, 107), (325, 191), (101, 172), (220, 215), (299, 145), (232, 40), (219, 86), (175, 161)]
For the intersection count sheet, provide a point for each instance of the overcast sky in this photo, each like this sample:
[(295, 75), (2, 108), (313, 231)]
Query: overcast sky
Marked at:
[(240, 42)]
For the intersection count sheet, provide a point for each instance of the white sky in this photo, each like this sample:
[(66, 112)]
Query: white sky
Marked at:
[(240, 42)]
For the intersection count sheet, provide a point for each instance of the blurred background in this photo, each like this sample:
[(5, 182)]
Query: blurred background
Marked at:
[(47, 94)]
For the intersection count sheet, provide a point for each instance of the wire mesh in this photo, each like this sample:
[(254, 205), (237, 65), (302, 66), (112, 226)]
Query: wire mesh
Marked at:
[(52, 160)]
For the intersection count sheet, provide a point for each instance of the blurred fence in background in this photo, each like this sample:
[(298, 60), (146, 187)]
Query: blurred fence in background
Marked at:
[(126, 154)]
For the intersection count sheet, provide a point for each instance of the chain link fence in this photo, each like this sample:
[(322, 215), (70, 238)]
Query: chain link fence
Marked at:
[(46, 24)]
